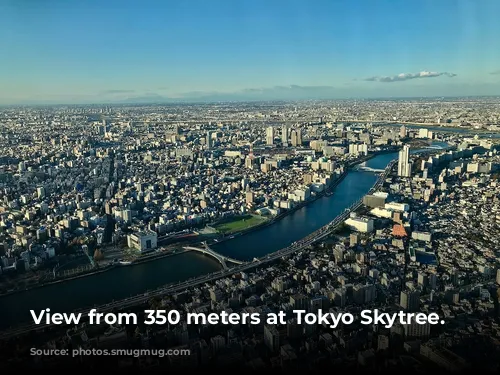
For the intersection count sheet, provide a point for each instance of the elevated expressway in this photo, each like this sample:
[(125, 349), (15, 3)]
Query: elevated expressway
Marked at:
[(225, 272)]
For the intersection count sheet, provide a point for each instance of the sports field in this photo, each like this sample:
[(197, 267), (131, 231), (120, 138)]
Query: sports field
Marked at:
[(241, 223)]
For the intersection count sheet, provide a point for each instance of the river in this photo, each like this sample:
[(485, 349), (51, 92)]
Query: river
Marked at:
[(123, 282)]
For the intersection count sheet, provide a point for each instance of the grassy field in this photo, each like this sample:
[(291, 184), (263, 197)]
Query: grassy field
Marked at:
[(240, 224)]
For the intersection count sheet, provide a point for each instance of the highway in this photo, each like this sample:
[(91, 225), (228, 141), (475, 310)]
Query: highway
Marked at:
[(184, 285)]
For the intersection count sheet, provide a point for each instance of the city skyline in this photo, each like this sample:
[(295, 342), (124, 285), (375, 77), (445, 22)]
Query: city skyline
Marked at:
[(156, 52)]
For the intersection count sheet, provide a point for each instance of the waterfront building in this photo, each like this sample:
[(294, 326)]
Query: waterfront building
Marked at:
[(361, 224), (402, 132), (358, 149), (374, 201), (143, 241), (425, 133), (404, 164)]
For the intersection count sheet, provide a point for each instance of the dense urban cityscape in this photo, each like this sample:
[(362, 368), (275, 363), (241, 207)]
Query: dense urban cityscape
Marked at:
[(255, 207)]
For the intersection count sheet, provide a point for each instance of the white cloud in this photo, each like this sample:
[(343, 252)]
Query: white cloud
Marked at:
[(408, 76)]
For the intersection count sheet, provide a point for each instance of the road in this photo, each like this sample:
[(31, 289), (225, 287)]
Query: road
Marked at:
[(184, 285)]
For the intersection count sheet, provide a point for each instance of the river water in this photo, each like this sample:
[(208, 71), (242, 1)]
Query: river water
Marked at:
[(123, 282)]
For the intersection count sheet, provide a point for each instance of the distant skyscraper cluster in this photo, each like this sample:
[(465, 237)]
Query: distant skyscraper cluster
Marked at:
[(295, 136)]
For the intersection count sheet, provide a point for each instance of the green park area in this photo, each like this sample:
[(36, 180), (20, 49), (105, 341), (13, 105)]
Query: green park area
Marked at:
[(240, 223)]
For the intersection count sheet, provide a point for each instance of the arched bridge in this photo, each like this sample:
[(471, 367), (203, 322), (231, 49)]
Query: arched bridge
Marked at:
[(369, 169), (223, 260), (434, 147)]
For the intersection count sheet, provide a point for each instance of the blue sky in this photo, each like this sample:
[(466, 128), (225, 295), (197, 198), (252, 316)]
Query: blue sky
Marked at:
[(113, 50)]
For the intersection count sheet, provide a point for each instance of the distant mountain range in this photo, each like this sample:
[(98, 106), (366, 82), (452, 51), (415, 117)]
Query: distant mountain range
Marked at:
[(293, 92), (296, 92), (276, 93)]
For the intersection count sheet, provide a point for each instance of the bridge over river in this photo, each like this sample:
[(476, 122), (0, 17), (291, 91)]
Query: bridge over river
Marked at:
[(223, 260), (368, 169)]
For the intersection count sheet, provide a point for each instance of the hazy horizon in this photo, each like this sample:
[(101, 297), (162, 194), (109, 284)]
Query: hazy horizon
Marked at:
[(208, 101)]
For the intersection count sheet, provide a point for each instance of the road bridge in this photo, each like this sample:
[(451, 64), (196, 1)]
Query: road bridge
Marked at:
[(434, 147), (223, 260), (368, 169)]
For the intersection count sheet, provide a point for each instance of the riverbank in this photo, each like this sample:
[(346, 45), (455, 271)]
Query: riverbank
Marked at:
[(125, 282), (160, 255), (60, 280), (281, 215), (327, 192), (98, 271), (310, 238)]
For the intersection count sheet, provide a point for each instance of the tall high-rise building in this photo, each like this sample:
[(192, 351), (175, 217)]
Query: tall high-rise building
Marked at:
[(248, 162), (40, 191), (270, 136), (425, 133), (296, 137), (432, 281), (308, 178), (209, 139), (284, 135), (363, 293), (272, 338), (358, 149), (293, 137), (402, 132), (127, 216), (404, 164), (338, 254), (410, 300), (415, 330), (249, 197)]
